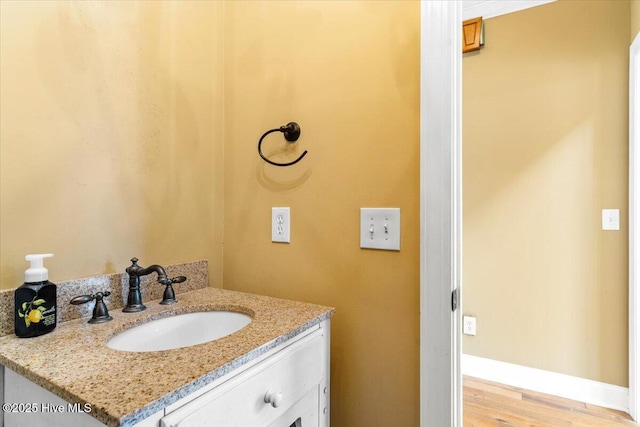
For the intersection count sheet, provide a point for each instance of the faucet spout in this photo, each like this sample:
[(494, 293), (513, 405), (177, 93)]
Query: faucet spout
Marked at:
[(134, 299), (159, 270)]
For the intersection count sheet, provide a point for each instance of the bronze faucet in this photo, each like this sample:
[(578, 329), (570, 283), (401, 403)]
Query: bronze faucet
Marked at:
[(134, 299)]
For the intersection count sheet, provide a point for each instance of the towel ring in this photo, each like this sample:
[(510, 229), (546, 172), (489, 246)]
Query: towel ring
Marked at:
[(291, 134)]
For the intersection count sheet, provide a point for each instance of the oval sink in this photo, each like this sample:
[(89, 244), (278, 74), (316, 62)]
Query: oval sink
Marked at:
[(182, 330)]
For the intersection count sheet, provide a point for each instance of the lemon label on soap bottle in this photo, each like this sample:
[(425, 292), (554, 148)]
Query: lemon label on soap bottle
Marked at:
[(32, 312)]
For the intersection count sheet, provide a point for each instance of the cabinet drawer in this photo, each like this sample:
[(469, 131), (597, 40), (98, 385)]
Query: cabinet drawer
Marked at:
[(302, 414), (288, 375)]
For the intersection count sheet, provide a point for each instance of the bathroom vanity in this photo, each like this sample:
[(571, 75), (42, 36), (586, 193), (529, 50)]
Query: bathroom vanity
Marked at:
[(273, 372)]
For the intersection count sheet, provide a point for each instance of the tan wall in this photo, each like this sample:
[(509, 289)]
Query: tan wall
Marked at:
[(117, 109), (348, 72), (111, 135), (635, 18), (545, 149)]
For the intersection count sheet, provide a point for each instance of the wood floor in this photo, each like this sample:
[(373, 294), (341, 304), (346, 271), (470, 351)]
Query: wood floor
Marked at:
[(488, 404)]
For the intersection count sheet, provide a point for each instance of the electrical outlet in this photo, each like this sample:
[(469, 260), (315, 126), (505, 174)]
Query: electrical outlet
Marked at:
[(281, 225), (469, 323)]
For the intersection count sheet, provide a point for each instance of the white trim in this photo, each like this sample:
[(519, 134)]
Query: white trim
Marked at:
[(440, 103), (567, 386), (634, 228), (492, 8)]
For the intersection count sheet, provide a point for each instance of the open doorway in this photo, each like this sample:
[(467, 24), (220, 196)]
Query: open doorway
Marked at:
[(441, 206), (544, 152)]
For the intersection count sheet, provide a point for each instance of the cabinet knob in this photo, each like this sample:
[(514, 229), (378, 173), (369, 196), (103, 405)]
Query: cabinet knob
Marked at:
[(274, 398)]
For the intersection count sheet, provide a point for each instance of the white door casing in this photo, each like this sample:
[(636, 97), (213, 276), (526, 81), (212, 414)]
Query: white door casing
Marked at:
[(634, 226), (440, 210)]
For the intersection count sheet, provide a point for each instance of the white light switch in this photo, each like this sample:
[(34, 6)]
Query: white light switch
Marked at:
[(380, 228), (280, 225), (611, 219)]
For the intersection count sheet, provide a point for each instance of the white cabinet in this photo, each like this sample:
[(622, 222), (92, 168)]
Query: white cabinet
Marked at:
[(27, 404), (276, 392), (288, 386)]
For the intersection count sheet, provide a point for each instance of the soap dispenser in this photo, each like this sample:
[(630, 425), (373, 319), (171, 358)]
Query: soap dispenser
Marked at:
[(35, 300)]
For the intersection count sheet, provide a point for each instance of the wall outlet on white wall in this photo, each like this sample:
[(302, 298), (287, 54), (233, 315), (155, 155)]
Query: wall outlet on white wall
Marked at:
[(469, 325)]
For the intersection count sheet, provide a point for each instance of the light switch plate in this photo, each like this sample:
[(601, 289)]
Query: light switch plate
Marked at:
[(380, 228), (611, 219), (281, 225)]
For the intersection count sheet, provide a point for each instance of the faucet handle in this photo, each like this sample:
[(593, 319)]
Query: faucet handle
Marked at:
[(169, 296), (100, 311), (82, 299)]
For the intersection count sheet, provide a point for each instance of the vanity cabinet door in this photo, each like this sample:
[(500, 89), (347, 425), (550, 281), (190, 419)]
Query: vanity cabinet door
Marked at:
[(290, 377), (35, 406), (31, 405)]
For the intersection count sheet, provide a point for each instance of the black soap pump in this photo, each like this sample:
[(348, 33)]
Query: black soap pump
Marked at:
[(35, 300)]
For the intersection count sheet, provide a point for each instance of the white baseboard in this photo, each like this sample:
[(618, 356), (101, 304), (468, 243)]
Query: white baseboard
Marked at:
[(567, 386)]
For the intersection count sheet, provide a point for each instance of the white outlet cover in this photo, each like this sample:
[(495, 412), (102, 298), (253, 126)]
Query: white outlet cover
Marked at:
[(469, 327), (380, 228), (281, 225)]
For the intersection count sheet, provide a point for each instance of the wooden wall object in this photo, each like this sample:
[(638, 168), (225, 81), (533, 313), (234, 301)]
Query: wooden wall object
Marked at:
[(471, 34)]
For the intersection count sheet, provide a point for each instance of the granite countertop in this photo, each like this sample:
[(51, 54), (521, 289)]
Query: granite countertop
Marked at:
[(123, 388)]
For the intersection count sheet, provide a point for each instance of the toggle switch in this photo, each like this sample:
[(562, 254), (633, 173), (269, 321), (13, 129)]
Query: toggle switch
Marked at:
[(380, 228), (611, 219)]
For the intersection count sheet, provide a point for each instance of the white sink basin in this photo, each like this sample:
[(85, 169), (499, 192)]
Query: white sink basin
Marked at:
[(182, 330)]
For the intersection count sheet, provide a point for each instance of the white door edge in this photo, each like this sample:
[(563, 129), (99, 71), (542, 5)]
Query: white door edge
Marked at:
[(634, 226), (440, 103)]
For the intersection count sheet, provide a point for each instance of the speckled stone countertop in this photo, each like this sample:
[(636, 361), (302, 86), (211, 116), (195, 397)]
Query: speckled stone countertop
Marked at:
[(123, 388)]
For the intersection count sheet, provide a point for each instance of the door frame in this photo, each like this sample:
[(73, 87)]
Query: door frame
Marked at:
[(440, 212), (634, 226), (441, 207)]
